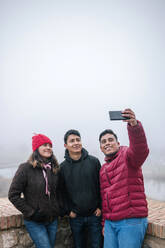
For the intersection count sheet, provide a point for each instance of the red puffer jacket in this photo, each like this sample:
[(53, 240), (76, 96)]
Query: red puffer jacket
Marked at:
[(121, 179)]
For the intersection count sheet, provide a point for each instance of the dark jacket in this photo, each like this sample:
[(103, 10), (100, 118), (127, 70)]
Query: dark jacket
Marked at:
[(27, 193), (81, 180), (121, 179)]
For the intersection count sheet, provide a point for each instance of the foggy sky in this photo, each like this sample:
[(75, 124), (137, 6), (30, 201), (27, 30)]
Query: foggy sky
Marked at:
[(64, 64)]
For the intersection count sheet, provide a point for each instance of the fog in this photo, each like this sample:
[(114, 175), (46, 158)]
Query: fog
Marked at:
[(64, 64)]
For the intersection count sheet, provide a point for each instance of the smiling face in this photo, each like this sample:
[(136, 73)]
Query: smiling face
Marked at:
[(45, 150), (73, 144), (109, 144)]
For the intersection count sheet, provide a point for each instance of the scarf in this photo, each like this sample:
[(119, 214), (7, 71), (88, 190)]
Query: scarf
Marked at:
[(46, 167)]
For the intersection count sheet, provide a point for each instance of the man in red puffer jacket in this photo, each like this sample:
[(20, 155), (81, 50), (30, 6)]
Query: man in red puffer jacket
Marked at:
[(124, 205)]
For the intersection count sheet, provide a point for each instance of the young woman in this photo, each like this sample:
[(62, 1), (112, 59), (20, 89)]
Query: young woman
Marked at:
[(35, 192)]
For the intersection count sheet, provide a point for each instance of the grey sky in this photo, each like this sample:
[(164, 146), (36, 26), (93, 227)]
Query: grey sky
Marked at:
[(64, 64)]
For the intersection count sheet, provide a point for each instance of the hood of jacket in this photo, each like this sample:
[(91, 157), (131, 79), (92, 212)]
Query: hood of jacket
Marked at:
[(84, 154)]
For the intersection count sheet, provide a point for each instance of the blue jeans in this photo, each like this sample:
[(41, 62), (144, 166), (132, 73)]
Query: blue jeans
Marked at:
[(126, 233), (93, 225), (43, 234)]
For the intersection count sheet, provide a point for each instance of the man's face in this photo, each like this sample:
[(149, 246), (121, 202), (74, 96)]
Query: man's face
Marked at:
[(109, 144), (73, 144)]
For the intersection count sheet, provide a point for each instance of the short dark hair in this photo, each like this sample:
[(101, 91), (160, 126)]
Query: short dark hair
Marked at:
[(69, 132), (107, 131)]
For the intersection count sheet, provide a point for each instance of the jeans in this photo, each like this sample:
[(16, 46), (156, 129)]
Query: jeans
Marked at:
[(126, 233), (93, 225), (43, 234)]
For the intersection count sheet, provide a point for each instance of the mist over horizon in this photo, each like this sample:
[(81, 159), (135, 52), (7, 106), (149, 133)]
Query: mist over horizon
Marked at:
[(65, 64)]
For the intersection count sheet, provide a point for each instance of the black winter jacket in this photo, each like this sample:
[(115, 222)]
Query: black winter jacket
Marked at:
[(81, 183), (27, 193)]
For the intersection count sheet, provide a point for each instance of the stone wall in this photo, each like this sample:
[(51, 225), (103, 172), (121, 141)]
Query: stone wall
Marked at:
[(155, 237), (14, 235)]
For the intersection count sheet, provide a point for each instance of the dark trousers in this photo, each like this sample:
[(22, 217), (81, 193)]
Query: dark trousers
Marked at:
[(87, 226)]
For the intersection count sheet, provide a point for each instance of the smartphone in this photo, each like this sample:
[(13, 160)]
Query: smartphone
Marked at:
[(117, 115)]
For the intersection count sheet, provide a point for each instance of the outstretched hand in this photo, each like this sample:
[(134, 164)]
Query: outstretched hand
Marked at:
[(129, 113)]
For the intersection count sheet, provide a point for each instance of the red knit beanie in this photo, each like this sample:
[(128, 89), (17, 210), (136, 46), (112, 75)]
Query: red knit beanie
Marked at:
[(38, 140)]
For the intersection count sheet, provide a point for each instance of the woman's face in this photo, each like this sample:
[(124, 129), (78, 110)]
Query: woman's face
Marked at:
[(45, 150)]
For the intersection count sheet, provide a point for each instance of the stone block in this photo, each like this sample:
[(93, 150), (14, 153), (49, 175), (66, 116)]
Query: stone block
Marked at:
[(9, 239), (154, 242), (3, 222), (24, 238)]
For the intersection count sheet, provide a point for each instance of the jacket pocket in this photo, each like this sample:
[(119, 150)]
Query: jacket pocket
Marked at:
[(38, 216)]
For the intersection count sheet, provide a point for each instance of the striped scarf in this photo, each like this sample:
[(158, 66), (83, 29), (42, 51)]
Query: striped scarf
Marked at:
[(44, 171)]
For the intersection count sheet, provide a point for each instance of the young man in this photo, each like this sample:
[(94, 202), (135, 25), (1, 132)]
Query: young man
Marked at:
[(124, 205), (80, 172)]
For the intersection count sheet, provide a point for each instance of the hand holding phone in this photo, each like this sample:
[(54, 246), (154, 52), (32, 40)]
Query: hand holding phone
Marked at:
[(117, 115), (127, 116)]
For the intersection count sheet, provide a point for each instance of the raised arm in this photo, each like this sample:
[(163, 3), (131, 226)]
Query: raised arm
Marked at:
[(138, 149)]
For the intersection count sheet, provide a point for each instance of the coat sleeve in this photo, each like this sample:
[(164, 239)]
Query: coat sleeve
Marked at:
[(103, 208), (138, 149), (99, 194), (63, 194), (16, 190)]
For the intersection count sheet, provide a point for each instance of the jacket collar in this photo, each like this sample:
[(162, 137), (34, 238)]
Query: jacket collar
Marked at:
[(84, 154), (112, 156)]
